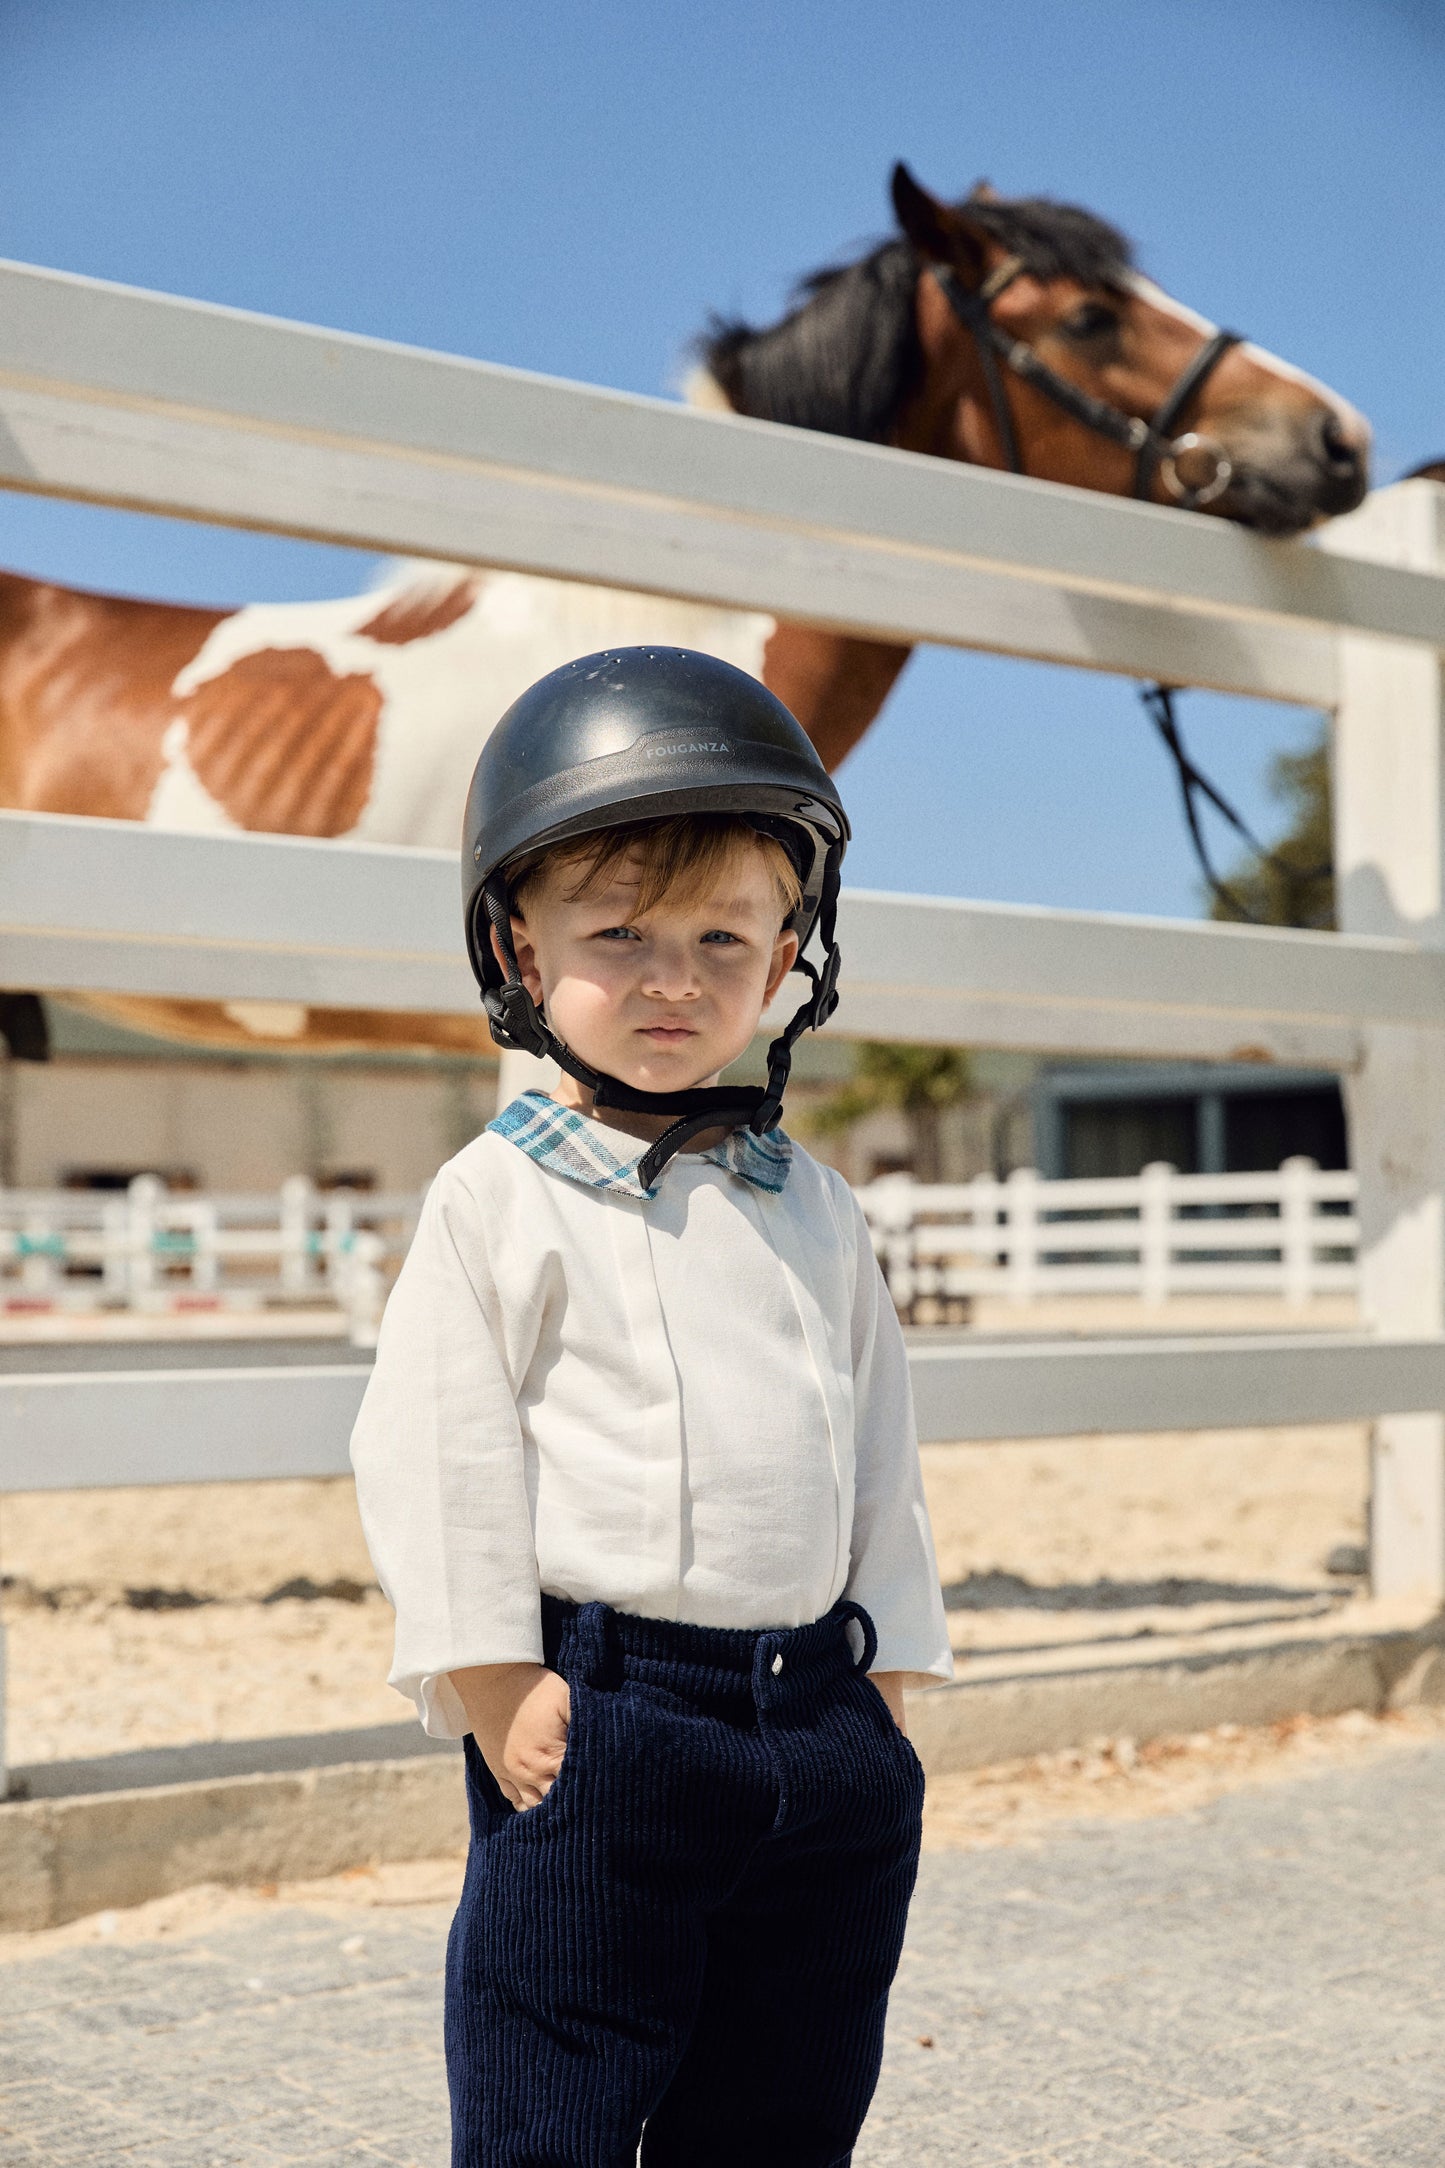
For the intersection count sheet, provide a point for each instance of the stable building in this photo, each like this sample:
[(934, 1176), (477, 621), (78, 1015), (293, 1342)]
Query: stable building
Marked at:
[(1097, 1119)]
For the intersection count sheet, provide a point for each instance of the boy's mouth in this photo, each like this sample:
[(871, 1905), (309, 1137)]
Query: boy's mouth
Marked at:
[(668, 1034)]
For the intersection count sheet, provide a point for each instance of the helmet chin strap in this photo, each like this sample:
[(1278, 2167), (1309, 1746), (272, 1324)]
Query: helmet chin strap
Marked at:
[(517, 1023)]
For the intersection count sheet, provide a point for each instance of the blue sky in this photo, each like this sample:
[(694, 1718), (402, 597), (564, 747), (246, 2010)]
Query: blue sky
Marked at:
[(571, 188)]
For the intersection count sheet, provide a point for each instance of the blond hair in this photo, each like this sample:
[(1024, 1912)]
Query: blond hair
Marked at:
[(679, 859)]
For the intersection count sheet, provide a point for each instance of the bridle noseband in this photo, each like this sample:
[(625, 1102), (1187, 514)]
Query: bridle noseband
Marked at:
[(1156, 449)]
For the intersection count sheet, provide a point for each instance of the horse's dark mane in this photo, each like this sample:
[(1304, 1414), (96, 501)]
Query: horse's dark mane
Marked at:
[(843, 359), (846, 356), (1055, 240)]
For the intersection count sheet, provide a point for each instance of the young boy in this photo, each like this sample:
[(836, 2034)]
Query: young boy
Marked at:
[(638, 1471)]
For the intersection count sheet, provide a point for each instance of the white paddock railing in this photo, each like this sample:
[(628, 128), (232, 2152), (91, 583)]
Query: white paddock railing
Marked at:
[(1152, 1237), (158, 1252), (132, 399)]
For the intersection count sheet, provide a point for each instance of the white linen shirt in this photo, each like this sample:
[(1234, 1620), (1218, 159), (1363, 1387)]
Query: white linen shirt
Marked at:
[(689, 1404)]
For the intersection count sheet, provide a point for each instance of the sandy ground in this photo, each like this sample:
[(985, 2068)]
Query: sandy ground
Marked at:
[(1018, 1803), (210, 1611), (1212, 1505), (1108, 1539), (231, 1611)]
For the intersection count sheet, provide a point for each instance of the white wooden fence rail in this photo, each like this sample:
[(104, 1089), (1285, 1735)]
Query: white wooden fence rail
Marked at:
[(100, 1429), (109, 906), (1290, 1234), (122, 397), (155, 1251), (125, 398), (146, 1249), (104, 1428)]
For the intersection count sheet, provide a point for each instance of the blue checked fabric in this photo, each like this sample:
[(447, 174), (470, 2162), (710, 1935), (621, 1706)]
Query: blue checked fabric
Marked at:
[(586, 1152)]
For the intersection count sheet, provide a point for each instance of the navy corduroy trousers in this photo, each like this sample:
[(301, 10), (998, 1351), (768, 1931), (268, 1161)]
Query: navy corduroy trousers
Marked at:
[(689, 1943)]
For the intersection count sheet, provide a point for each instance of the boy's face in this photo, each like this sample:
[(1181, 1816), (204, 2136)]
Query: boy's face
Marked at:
[(666, 1000)]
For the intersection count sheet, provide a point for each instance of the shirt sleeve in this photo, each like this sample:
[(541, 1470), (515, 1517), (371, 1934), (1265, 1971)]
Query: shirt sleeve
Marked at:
[(894, 1572), (438, 1456)]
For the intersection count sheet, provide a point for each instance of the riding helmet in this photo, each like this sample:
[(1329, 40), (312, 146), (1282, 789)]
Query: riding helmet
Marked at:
[(637, 734)]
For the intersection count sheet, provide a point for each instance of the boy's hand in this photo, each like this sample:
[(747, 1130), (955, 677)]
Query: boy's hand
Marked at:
[(519, 1715), (890, 1686)]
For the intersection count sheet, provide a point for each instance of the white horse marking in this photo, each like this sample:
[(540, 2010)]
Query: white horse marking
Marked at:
[(442, 694), (180, 799), (1350, 417)]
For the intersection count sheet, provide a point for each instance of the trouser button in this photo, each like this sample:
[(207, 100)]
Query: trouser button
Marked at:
[(777, 1665)]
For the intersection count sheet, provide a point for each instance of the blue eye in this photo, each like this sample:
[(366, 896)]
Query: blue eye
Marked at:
[(618, 933), (719, 935)]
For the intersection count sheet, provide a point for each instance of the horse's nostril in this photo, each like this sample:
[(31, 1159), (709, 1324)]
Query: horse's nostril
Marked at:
[(1341, 456)]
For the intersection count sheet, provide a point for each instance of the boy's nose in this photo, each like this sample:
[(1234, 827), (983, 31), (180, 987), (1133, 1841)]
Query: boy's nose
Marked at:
[(672, 978)]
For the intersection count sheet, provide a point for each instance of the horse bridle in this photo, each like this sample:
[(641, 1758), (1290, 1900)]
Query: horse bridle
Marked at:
[(1155, 447)]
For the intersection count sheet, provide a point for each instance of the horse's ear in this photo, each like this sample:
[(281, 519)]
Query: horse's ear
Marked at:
[(938, 232)]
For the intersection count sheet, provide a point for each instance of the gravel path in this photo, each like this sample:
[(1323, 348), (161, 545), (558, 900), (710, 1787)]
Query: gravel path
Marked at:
[(1258, 1981)]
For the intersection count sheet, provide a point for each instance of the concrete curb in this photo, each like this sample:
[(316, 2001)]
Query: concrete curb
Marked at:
[(971, 1724), (61, 1858)]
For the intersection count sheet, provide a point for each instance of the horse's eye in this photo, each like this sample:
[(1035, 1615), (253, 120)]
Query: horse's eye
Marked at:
[(1094, 320)]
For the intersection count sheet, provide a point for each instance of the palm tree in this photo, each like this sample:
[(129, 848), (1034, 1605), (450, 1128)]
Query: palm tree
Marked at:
[(921, 1082)]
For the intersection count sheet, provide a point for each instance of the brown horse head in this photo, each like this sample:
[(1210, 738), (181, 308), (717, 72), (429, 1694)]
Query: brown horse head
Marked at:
[(891, 349)]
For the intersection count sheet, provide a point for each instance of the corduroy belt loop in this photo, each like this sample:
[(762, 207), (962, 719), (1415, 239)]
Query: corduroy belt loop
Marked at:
[(850, 1611), (593, 1642)]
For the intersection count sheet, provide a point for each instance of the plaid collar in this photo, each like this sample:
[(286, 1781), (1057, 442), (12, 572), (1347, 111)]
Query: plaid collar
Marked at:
[(584, 1151)]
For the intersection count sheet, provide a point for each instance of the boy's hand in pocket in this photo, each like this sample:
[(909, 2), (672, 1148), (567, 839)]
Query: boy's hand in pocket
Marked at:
[(519, 1715)]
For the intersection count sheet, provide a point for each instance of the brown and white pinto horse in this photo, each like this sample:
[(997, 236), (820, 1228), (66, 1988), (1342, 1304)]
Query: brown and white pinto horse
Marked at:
[(362, 718)]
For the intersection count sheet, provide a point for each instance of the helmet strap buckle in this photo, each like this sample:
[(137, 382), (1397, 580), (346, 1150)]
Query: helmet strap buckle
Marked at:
[(514, 1021), (825, 999)]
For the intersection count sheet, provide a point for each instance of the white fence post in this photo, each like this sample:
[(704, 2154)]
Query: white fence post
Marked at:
[(1023, 1234), (894, 1213), (115, 1249), (888, 1204), (206, 1252), (298, 1204), (1297, 1230), (38, 1275), (142, 1198), (338, 1236), (1389, 813), (362, 1288), (1156, 1210)]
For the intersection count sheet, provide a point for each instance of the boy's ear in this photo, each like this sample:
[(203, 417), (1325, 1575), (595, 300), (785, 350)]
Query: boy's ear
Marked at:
[(526, 957), (785, 955)]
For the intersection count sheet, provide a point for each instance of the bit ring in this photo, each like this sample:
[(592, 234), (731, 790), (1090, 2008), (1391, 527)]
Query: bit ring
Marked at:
[(1208, 491)]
